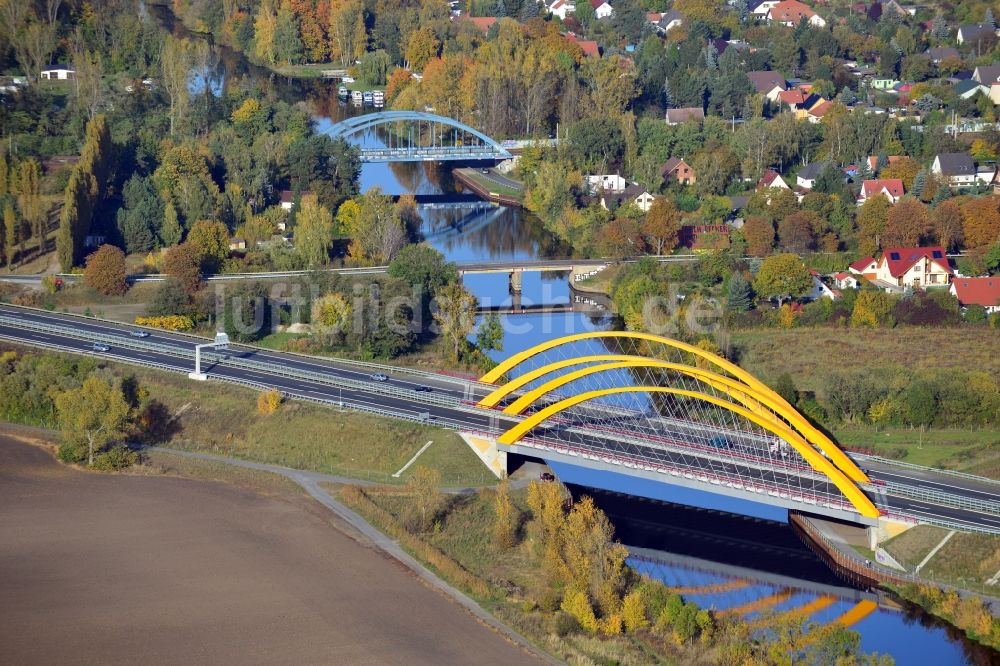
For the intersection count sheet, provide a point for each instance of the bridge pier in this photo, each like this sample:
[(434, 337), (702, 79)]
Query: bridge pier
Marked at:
[(514, 289)]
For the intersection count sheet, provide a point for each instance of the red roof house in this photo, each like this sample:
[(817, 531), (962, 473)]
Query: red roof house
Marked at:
[(483, 23), (891, 188), (914, 266), (866, 268), (983, 291), (771, 178)]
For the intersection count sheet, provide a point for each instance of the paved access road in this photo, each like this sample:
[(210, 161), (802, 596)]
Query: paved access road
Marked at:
[(450, 403)]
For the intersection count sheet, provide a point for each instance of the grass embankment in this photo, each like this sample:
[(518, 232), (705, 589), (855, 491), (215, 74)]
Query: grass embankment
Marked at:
[(315, 70), (810, 355), (223, 419), (485, 183), (967, 560)]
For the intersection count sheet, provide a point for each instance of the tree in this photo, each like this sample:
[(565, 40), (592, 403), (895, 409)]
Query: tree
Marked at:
[(331, 312), (170, 299), (421, 47), (378, 234), (661, 226), (268, 401), (871, 224), (739, 293), (423, 267), (634, 611), (29, 199), (374, 67), (490, 335), (171, 231), (620, 238), (95, 414), (872, 308), (246, 312), (785, 387), (10, 225), (783, 276), (288, 47), (83, 192), (759, 235), (137, 218), (905, 169), (183, 263), (505, 517), (425, 487), (106, 272), (906, 223), (795, 232), (980, 223), (313, 232), (176, 61), (211, 239), (455, 315)]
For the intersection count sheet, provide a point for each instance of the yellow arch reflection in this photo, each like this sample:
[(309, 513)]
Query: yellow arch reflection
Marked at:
[(853, 494)]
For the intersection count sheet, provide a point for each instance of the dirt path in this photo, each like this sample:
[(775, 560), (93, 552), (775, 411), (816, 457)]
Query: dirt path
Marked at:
[(120, 569)]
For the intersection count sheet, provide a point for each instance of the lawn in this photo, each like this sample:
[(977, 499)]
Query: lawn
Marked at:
[(966, 560), (974, 451), (810, 354), (223, 419)]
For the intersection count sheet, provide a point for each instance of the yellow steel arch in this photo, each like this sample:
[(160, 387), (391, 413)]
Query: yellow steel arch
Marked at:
[(838, 457), (759, 404), (821, 464), (502, 391)]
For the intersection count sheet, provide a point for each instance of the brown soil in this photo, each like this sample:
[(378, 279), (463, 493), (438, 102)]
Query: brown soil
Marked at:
[(102, 568)]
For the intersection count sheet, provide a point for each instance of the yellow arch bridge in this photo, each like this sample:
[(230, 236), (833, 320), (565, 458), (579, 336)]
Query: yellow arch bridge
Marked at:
[(724, 396)]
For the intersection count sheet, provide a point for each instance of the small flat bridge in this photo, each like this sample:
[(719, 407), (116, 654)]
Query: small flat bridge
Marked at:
[(417, 136)]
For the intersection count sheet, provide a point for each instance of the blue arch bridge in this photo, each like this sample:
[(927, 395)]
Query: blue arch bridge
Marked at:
[(417, 136)]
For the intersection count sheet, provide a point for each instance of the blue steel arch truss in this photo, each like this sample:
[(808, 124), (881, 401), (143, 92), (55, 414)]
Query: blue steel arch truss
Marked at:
[(417, 136)]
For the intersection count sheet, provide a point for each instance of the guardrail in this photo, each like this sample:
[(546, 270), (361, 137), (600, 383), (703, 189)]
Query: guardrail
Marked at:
[(939, 497), (922, 468)]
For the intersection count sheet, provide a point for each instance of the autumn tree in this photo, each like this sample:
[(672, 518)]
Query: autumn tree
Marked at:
[(782, 276), (980, 223), (759, 234), (331, 314), (546, 503), (211, 239), (948, 225), (455, 315), (906, 223), (176, 61), (422, 45), (313, 231), (872, 308), (504, 517), (662, 225), (425, 487), (871, 224), (183, 263), (795, 232), (905, 169), (94, 414), (11, 228), (268, 401), (265, 27), (83, 192), (620, 238), (377, 231), (27, 185), (105, 271)]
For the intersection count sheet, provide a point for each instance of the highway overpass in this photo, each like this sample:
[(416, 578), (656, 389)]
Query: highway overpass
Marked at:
[(677, 452)]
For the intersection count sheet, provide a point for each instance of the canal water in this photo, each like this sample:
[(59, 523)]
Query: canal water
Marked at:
[(720, 561)]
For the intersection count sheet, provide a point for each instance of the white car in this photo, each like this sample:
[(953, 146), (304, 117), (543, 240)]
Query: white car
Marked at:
[(379, 377), (139, 334), (101, 347)]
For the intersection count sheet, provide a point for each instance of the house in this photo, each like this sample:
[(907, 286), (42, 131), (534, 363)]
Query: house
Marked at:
[(884, 83), (634, 193), (891, 188), (986, 74), (58, 74), (983, 291), (866, 268), (817, 112), (791, 12), (588, 46), (810, 108), (772, 178), (889, 159), (914, 267), (482, 23), (668, 21), (678, 171), (820, 289), (761, 9), (902, 10), (939, 53), (606, 183), (288, 198), (678, 116), (975, 33), (970, 88), (807, 175), (845, 280), (791, 98), (985, 174), (994, 92), (958, 168), (237, 244), (562, 9), (602, 9), (768, 83)]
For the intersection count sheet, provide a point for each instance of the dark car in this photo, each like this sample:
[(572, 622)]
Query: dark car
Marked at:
[(547, 476), (721, 443), (424, 389), (486, 171)]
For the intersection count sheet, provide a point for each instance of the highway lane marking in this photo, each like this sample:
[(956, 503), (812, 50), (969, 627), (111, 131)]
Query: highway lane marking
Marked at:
[(413, 459), (929, 481)]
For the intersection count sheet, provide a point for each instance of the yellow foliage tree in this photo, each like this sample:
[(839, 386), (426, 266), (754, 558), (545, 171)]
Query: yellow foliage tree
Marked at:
[(268, 401), (578, 605), (505, 517), (634, 611)]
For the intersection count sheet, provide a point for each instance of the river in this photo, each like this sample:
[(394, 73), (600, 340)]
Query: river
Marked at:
[(722, 561)]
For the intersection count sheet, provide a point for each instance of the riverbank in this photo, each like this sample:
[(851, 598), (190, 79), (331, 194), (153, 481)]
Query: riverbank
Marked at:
[(502, 192)]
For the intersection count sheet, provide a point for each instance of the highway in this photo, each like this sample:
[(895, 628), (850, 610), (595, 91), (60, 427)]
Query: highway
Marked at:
[(919, 493)]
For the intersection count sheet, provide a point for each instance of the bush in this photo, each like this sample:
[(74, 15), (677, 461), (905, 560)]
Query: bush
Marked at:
[(167, 322), (72, 453), (118, 457), (564, 624), (268, 401)]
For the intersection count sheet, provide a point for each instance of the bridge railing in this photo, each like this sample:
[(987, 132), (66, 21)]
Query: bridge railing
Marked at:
[(921, 468)]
